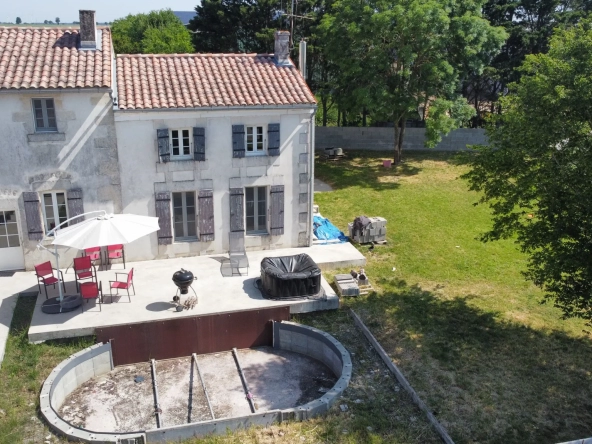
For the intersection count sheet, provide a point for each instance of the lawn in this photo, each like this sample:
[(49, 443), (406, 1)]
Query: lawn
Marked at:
[(456, 314)]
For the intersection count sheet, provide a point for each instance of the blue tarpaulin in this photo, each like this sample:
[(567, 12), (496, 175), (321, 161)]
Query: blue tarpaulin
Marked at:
[(325, 230)]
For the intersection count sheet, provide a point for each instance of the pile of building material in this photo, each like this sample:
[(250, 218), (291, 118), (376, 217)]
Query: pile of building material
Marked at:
[(353, 284), (365, 230)]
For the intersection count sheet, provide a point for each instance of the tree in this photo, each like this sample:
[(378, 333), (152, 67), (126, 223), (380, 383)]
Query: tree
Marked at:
[(536, 173), (57, 20), (398, 57), (156, 32), (18, 21)]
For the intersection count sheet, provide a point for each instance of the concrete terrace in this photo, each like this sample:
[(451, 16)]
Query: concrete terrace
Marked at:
[(217, 292)]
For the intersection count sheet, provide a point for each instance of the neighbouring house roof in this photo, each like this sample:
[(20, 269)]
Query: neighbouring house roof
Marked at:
[(184, 16), (207, 80), (37, 58)]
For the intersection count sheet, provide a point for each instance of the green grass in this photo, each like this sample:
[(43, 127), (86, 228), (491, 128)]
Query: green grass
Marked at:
[(456, 314)]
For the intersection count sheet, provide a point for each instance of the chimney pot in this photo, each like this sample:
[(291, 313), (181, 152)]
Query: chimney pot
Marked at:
[(282, 48), (88, 29)]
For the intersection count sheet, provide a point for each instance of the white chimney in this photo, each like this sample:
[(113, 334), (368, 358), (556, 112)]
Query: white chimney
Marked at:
[(302, 58), (282, 48), (88, 29)]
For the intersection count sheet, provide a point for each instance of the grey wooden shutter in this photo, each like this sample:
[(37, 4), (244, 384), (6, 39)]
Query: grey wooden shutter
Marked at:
[(206, 215), (199, 144), (238, 140), (163, 212), (164, 149), (33, 215), (273, 139), (237, 209), (75, 205), (277, 210)]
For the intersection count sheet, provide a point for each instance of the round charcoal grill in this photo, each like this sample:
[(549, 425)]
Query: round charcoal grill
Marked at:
[(183, 280)]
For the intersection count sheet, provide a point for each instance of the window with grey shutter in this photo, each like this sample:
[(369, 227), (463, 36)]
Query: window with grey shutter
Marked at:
[(277, 210), (237, 209), (164, 150), (206, 215), (238, 140), (163, 212), (273, 137), (199, 144), (75, 206), (33, 215)]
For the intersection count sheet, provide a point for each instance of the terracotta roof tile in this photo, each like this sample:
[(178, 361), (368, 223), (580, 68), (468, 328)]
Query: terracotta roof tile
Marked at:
[(50, 58), (207, 80)]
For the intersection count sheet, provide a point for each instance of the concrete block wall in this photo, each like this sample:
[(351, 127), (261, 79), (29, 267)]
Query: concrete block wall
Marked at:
[(382, 139), (65, 378)]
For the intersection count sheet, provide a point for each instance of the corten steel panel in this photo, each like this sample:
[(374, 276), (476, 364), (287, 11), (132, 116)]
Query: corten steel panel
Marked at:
[(197, 334)]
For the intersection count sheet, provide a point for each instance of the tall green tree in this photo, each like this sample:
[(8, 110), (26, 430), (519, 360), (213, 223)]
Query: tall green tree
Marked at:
[(156, 32), (536, 175), (398, 56), (57, 20), (18, 21)]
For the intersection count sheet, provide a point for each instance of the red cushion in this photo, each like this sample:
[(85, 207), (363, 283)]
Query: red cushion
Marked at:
[(84, 274), (118, 284)]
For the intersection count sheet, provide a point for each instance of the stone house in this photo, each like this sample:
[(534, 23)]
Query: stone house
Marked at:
[(209, 143), (58, 149)]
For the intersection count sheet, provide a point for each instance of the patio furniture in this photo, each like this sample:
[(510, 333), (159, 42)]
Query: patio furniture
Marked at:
[(46, 277), (90, 290), (95, 254), (125, 285), (84, 269), (115, 252), (237, 254)]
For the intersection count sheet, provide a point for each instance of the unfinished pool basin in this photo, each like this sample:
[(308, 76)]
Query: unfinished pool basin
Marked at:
[(290, 277), (297, 377)]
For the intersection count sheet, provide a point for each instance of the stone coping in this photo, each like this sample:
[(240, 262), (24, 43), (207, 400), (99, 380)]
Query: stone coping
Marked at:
[(97, 360)]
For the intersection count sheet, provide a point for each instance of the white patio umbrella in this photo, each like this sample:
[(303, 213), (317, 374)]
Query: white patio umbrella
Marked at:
[(98, 231)]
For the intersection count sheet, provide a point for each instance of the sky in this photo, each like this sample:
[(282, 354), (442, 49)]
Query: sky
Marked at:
[(67, 10)]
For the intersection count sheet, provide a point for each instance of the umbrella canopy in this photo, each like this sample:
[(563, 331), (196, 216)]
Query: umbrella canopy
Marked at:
[(107, 229)]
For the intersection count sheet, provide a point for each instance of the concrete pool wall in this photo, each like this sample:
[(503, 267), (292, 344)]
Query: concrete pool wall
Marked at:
[(97, 360)]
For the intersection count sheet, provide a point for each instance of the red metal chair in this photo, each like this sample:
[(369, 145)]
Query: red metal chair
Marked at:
[(95, 255), (123, 284), (90, 290), (46, 277), (115, 252), (84, 269)]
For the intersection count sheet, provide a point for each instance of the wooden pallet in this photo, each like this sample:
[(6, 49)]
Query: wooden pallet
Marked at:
[(365, 289), (332, 158)]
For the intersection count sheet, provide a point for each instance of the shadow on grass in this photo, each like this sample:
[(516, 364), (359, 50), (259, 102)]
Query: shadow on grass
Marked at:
[(488, 379), (365, 168)]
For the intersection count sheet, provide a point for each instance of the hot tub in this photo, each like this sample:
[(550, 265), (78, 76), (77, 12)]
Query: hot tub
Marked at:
[(290, 277)]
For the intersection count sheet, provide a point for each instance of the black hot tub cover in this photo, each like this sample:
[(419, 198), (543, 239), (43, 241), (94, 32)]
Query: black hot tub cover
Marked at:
[(290, 277)]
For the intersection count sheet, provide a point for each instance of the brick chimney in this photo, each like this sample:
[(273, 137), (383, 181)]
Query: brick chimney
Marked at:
[(282, 48), (88, 30)]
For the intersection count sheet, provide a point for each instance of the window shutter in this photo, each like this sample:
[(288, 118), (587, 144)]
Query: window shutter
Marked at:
[(33, 215), (277, 210), (237, 209), (238, 140), (199, 144), (206, 215), (164, 150), (75, 205), (273, 138), (163, 212)]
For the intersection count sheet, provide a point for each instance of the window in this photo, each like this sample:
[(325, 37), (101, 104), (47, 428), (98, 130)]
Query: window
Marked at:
[(254, 139), (45, 118), (181, 144), (256, 210), (184, 216), (55, 210), (8, 230)]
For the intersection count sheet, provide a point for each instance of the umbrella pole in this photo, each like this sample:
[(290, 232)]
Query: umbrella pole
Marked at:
[(57, 256)]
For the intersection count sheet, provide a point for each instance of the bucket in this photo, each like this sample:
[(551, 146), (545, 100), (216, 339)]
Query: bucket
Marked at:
[(386, 163)]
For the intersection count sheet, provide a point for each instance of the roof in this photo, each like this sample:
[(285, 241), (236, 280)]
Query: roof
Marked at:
[(207, 80), (185, 16), (32, 58)]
